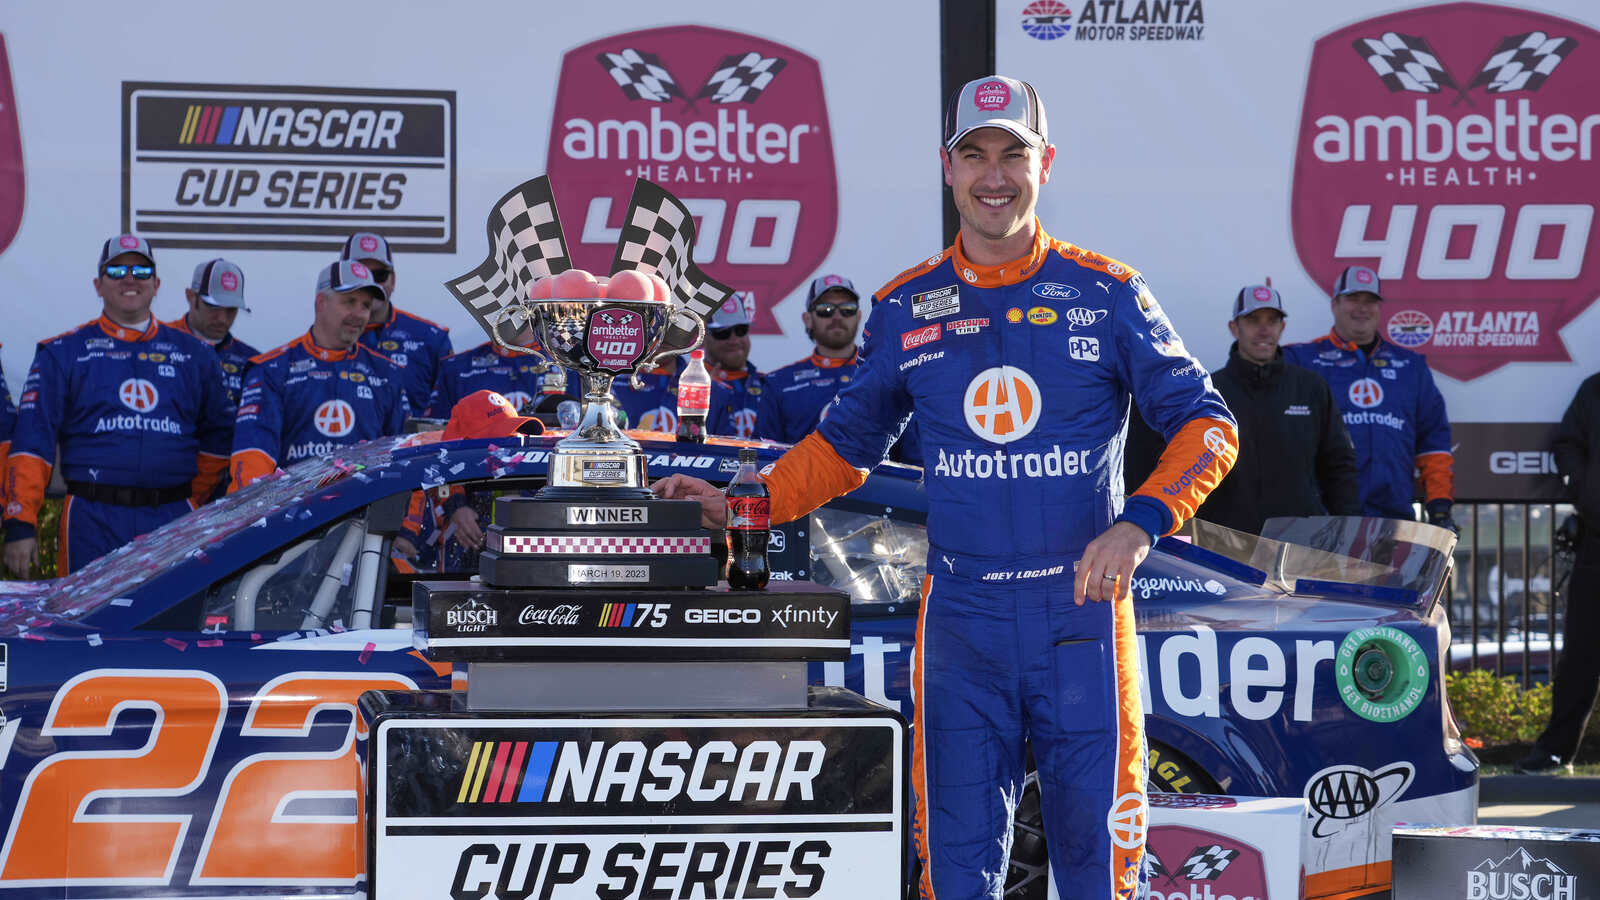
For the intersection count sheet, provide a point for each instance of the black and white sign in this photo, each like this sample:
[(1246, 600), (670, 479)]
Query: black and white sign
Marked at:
[(780, 806), (288, 168), (1495, 862)]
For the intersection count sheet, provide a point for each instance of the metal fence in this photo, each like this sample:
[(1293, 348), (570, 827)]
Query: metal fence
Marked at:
[(1507, 597)]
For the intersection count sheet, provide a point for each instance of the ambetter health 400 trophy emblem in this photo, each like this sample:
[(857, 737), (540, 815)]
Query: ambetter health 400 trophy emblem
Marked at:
[(595, 523)]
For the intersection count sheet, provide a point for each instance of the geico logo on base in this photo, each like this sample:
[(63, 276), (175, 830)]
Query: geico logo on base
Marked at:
[(1052, 463), (1257, 676), (723, 616), (1522, 462)]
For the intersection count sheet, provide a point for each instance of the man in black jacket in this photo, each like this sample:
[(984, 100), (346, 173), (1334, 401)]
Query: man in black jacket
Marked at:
[(1577, 676), (1295, 456)]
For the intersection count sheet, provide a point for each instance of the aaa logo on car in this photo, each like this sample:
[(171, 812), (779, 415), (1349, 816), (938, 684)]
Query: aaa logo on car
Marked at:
[(733, 124), (334, 418), (1002, 404), (138, 395), (1342, 794)]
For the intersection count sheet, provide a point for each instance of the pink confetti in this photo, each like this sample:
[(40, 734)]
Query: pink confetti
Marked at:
[(176, 644), (209, 642), (255, 635), (216, 620), (366, 653)]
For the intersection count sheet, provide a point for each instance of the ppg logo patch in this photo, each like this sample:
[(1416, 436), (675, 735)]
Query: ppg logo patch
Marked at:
[(1085, 349)]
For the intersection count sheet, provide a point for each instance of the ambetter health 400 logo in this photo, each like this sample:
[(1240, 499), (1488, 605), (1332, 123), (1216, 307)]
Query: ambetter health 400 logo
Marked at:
[(1453, 148), (735, 126)]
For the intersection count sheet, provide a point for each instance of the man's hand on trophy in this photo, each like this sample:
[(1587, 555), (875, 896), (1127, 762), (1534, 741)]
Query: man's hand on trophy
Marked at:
[(713, 505)]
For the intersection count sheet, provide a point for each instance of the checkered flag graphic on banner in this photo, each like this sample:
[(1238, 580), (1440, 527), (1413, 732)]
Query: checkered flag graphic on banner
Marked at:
[(1206, 863), (1522, 62), (525, 244), (1405, 62), (1153, 866), (658, 238), (741, 78), (641, 75)]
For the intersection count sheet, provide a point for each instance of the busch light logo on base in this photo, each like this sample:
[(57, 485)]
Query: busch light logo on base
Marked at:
[(734, 125), (615, 338), (1452, 148), (1191, 864)]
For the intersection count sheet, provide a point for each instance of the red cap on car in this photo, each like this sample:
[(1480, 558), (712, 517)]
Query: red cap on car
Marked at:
[(486, 414)]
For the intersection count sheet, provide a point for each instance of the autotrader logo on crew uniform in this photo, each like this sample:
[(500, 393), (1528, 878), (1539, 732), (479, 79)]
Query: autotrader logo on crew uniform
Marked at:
[(735, 126), (1452, 149), (288, 168)]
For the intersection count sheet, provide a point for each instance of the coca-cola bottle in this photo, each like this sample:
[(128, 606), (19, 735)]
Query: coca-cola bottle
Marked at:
[(553, 381), (694, 399), (749, 521)]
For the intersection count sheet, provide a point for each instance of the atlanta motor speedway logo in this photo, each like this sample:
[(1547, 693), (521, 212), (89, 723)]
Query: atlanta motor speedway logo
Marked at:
[(734, 125), (1452, 148), (288, 168)]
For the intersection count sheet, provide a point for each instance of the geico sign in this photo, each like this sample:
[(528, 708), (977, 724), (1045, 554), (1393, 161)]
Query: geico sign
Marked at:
[(723, 616), (1522, 462)]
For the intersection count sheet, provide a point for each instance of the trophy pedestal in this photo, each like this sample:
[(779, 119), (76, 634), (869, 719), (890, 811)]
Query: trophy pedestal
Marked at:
[(594, 538)]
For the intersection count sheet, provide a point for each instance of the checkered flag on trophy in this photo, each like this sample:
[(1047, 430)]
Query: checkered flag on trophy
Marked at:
[(1206, 863), (741, 78), (641, 76), (1522, 62), (1405, 62), (658, 238), (525, 244)]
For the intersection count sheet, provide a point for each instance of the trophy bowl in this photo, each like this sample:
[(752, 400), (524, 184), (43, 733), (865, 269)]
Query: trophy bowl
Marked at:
[(600, 339)]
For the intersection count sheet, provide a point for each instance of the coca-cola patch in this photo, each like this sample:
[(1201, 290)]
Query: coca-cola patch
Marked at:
[(615, 338), (734, 125), (1451, 148), (910, 340)]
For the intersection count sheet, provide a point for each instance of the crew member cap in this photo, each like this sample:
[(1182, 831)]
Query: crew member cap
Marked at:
[(1257, 296), (124, 243), (1356, 279), (219, 283), (820, 286), (996, 101), (367, 245), (346, 275), (734, 311)]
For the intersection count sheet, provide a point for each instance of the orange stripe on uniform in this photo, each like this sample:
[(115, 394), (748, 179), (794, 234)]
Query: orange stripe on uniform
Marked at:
[(1438, 474), (919, 769), (208, 471), (1130, 812), (1192, 466), (918, 269), (26, 476), (808, 476), (248, 465), (63, 565)]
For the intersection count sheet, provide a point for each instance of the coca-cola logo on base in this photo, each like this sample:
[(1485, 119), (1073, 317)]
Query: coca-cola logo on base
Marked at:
[(565, 614), (615, 339), (1451, 148), (734, 125)]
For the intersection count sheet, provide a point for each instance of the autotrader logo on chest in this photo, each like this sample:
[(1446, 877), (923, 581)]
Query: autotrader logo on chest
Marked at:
[(1003, 404)]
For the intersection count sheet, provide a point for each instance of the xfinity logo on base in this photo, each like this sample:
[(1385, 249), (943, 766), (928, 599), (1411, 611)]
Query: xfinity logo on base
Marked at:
[(734, 125), (1451, 148)]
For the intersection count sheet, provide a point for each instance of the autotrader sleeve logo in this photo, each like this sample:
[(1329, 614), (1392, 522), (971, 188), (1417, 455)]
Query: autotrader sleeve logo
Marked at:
[(288, 168), (1452, 149), (735, 125)]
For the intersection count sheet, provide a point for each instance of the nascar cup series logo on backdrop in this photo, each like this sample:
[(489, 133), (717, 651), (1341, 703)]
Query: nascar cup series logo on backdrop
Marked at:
[(736, 126), (1452, 148)]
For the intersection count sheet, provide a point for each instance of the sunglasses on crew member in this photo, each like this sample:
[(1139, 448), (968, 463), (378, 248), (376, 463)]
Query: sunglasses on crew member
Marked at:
[(116, 273), (723, 334), (825, 310), (380, 275)]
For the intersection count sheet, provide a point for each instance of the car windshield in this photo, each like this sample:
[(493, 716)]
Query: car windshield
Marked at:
[(118, 573), (1376, 553)]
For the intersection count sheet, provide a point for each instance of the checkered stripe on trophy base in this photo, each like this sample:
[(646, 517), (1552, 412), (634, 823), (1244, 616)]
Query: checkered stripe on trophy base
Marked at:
[(598, 544)]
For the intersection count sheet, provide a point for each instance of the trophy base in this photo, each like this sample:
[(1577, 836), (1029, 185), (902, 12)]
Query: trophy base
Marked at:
[(597, 537)]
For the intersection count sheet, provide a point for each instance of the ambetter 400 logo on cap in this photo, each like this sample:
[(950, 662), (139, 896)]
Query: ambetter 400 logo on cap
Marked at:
[(735, 126), (1452, 148)]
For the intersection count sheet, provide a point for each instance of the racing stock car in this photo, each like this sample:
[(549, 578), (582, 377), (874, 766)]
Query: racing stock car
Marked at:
[(178, 718)]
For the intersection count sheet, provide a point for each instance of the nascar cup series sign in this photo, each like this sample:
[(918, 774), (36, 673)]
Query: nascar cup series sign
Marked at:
[(1452, 148), (734, 125)]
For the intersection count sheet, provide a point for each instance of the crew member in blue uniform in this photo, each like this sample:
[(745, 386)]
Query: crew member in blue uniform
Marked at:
[(728, 360), (415, 345), (521, 379), (137, 411), (322, 390), (794, 397), (215, 295)]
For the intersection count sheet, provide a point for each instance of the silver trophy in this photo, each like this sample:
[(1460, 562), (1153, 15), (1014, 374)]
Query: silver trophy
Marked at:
[(600, 339)]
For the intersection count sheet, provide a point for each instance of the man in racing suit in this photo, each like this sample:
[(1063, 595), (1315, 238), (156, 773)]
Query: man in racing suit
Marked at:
[(137, 410), (1026, 350), (322, 390), (413, 344), (728, 360), (520, 379), (654, 407), (1392, 409), (215, 295), (795, 396)]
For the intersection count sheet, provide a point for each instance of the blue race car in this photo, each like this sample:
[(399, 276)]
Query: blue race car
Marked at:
[(178, 718)]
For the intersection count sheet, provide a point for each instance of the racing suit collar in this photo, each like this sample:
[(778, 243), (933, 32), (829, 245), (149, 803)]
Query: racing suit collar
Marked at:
[(1342, 344), (310, 345), (123, 333), (181, 323), (833, 362), (1010, 272)]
